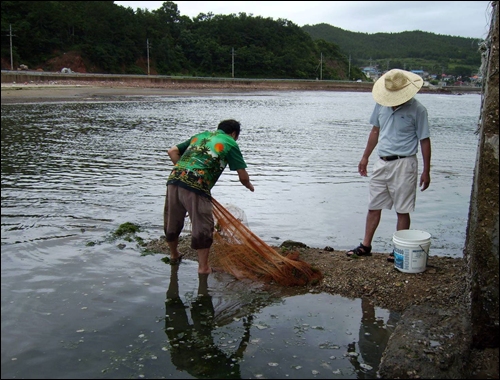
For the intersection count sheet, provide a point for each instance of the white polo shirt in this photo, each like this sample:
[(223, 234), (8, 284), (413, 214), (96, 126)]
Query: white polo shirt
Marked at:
[(402, 129)]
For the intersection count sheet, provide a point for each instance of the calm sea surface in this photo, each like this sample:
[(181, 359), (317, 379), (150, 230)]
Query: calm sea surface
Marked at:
[(78, 304)]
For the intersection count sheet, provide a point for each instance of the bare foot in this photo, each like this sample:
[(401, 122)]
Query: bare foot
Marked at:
[(211, 270), (177, 259)]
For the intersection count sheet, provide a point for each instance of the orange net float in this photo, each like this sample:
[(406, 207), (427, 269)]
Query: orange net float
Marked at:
[(238, 251)]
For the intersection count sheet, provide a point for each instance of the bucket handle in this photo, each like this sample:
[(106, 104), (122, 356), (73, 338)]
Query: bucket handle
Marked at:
[(426, 253)]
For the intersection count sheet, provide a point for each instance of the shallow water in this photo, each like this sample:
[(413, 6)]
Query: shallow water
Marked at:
[(78, 304), (88, 164)]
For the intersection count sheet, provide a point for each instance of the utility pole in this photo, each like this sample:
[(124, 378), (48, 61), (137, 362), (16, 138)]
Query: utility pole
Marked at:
[(232, 64), (10, 35), (147, 46), (321, 68), (349, 73)]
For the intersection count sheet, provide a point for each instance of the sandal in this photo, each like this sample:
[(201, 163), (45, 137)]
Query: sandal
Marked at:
[(360, 250), (390, 258)]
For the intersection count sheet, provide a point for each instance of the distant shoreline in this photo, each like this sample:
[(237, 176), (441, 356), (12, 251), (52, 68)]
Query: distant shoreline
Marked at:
[(24, 87)]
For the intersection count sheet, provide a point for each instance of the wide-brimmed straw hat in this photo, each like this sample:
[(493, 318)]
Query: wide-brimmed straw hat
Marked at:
[(396, 87)]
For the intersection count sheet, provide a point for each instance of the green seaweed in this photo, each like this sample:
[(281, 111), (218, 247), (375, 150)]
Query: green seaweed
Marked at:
[(127, 229)]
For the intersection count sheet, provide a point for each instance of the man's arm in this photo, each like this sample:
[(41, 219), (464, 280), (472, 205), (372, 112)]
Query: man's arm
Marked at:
[(425, 178), (174, 154), (245, 179), (370, 145)]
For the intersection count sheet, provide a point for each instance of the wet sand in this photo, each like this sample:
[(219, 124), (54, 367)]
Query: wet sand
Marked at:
[(20, 93), (83, 89)]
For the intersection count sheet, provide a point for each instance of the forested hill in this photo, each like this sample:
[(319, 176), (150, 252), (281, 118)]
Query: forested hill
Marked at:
[(107, 38), (414, 50), (103, 37)]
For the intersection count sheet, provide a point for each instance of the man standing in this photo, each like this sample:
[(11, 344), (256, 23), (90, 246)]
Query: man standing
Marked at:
[(198, 164), (399, 123)]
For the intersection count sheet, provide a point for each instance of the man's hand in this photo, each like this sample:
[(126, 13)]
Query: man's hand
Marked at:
[(363, 164), (245, 179), (425, 181)]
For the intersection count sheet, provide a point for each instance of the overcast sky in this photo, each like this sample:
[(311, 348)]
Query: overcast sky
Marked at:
[(452, 18)]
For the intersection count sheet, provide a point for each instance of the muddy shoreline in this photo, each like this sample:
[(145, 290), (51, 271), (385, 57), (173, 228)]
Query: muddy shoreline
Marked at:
[(41, 87)]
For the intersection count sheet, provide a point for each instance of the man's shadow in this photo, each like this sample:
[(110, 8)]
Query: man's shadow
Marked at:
[(192, 345)]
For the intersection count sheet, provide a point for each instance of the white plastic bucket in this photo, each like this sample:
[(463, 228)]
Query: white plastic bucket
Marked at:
[(411, 248)]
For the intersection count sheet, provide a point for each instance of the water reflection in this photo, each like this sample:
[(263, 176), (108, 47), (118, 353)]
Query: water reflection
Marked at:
[(192, 345), (230, 329), (374, 334)]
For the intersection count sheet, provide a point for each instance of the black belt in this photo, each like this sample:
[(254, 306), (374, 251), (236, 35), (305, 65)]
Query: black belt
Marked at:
[(391, 158)]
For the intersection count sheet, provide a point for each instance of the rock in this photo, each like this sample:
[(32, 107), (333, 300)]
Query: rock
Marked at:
[(293, 244), (428, 343)]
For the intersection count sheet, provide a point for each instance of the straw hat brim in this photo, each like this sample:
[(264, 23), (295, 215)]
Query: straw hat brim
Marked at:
[(391, 98)]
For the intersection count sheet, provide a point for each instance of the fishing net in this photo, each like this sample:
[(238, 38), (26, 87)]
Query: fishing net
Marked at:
[(237, 250)]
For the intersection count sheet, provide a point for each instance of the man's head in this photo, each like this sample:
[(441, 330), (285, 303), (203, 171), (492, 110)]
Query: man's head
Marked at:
[(230, 127), (396, 87)]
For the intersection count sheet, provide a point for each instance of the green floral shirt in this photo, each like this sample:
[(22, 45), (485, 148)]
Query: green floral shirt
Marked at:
[(203, 159)]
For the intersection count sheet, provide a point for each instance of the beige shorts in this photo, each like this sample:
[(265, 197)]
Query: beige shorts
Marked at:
[(394, 183), (178, 202)]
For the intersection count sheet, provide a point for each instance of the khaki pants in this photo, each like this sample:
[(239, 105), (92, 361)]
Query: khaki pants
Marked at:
[(394, 183)]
